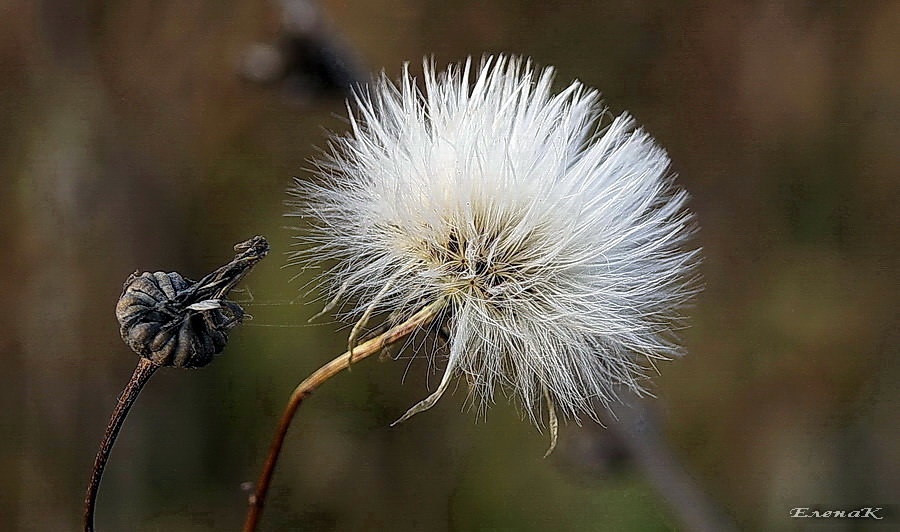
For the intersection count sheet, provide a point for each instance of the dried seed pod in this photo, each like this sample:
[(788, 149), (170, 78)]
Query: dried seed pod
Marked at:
[(173, 321), (169, 330)]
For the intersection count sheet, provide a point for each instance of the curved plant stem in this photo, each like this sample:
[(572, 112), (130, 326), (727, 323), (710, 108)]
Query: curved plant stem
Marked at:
[(305, 388), (142, 373)]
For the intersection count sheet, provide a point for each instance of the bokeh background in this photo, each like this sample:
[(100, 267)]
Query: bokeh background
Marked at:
[(130, 141)]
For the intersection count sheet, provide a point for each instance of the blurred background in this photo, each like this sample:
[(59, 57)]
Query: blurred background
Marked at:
[(154, 135)]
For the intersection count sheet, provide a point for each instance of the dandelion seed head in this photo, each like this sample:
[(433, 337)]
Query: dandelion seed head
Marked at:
[(554, 234)]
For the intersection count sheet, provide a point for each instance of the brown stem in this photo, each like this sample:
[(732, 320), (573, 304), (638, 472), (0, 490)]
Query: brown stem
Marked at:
[(142, 373), (305, 388)]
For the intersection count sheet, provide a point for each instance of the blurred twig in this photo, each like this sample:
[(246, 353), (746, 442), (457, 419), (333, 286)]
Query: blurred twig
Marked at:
[(635, 436), (308, 57)]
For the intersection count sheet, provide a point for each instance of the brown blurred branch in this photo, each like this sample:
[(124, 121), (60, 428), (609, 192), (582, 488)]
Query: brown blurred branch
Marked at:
[(635, 429), (308, 56)]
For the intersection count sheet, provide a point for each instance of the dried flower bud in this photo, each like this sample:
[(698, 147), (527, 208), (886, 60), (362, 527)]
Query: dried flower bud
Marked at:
[(173, 321), (157, 324)]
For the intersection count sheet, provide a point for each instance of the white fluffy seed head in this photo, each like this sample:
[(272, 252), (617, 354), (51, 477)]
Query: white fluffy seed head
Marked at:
[(556, 240)]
